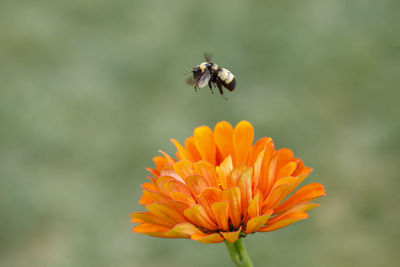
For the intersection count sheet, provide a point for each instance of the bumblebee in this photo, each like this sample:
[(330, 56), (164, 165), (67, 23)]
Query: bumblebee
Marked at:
[(208, 73)]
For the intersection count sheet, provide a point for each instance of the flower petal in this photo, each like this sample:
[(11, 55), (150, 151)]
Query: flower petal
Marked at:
[(257, 222), (181, 153), (160, 162), (301, 207), (207, 238), (284, 221), (245, 188), (191, 149), (150, 197), (231, 236), (198, 216), (167, 157), (207, 171), (258, 147), (204, 141), (175, 186), (243, 136), (220, 211), (183, 230), (150, 228), (184, 168), (282, 189), (166, 212), (149, 217), (196, 184), (284, 155), (257, 169), (265, 181), (211, 195), (188, 199), (223, 133), (288, 169), (254, 207), (233, 180), (304, 194), (224, 172), (232, 196)]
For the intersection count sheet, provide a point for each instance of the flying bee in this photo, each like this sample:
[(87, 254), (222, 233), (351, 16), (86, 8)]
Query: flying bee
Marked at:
[(208, 73)]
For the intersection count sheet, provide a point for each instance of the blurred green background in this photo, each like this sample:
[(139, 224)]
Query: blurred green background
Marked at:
[(90, 90)]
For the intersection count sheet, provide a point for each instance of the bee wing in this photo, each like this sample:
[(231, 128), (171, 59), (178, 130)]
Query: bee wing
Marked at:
[(189, 81), (207, 56), (203, 79)]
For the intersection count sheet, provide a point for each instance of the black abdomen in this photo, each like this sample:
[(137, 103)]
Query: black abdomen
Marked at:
[(230, 86)]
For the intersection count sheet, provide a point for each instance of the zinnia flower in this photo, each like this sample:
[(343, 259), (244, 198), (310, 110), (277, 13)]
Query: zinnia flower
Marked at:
[(222, 187)]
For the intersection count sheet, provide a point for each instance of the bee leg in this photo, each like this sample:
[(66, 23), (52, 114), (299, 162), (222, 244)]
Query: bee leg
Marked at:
[(195, 88), (210, 85), (220, 90)]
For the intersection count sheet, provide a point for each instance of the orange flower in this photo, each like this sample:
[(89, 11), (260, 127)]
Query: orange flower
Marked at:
[(222, 187)]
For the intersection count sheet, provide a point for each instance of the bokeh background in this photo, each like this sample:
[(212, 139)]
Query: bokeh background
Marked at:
[(90, 90)]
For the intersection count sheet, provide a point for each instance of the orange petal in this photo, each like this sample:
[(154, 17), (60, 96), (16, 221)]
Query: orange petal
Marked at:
[(151, 196), (223, 133), (207, 171), (304, 194), (301, 207), (282, 188), (167, 157), (188, 199), (191, 149), (231, 236), (299, 168), (183, 230), (150, 228), (198, 216), (150, 186), (220, 211), (245, 188), (196, 184), (265, 181), (270, 178), (235, 175), (207, 197), (306, 171), (204, 141), (284, 221), (257, 222), (179, 205), (184, 168), (224, 172), (257, 169), (254, 207), (288, 169), (175, 186), (284, 156), (166, 212), (149, 218), (160, 182), (258, 147), (169, 171), (243, 136), (207, 238), (160, 162), (181, 154), (232, 196)]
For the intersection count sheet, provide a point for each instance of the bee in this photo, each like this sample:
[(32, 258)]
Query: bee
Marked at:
[(208, 73)]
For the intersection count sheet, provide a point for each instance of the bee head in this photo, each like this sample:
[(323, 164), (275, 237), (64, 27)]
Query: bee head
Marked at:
[(196, 70)]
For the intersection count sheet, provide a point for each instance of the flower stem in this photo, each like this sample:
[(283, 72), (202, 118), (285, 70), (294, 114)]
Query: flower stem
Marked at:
[(238, 253)]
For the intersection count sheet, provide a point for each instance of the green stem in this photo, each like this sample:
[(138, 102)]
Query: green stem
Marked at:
[(238, 253)]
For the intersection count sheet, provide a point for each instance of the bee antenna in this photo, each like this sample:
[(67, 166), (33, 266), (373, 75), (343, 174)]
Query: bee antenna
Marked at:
[(187, 73)]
